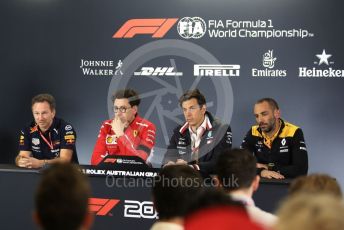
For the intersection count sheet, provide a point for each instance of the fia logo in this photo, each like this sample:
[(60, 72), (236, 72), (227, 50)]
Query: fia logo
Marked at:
[(191, 27), (269, 59)]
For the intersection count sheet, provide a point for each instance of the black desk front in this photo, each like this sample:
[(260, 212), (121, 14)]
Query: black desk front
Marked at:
[(121, 201)]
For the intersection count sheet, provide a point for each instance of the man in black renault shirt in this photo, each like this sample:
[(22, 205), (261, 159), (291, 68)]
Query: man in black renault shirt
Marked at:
[(278, 145), (47, 139)]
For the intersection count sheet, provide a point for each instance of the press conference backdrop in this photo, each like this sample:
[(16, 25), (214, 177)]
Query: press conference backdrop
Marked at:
[(235, 52)]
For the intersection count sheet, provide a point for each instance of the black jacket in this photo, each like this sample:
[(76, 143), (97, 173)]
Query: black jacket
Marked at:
[(213, 142), (288, 151)]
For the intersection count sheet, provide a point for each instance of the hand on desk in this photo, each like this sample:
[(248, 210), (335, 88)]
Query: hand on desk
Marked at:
[(271, 174), (178, 162), (29, 162)]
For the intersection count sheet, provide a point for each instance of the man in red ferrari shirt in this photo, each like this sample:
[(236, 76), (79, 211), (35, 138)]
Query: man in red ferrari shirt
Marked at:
[(127, 134)]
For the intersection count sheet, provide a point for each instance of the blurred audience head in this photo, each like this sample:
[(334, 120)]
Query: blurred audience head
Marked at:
[(61, 199), (236, 169), (173, 190), (311, 212), (315, 183)]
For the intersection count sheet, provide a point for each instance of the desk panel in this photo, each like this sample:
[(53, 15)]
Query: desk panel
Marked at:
[(133, 210)]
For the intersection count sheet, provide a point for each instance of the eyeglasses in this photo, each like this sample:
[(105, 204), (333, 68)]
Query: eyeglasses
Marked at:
[(122, 109)]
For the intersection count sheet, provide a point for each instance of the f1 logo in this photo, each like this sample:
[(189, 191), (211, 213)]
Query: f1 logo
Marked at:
[(110, 160), (158, 27), (101, 206)]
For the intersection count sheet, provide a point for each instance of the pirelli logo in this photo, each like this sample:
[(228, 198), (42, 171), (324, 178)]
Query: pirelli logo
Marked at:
[(158, 27), (217, 70), (100, 206)]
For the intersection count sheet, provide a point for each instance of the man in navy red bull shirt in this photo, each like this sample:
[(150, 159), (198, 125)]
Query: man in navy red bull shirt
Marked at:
[(47, 139)]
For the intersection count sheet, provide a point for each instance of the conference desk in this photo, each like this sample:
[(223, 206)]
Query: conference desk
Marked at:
[(121, 199)]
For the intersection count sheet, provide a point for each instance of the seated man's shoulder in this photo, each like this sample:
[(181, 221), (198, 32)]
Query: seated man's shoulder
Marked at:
[(31, 128), (181, 129), (144, 122), (106, 125), (289, 125), (289, 130), (255, 131), (216, 121), (63, 125), (107, 122)]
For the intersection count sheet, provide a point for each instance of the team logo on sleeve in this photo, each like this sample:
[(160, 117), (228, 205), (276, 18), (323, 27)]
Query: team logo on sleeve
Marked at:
[(210, 137), (35, 141), (111, 139), (21, 140), (150, 140), (150, 136), (229, 138), (283, 142), (34, 129), (70, 139)]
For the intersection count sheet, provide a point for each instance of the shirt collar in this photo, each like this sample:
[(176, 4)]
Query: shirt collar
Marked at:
[(50, 128), (268, 140), (245, 199), (206, 124)]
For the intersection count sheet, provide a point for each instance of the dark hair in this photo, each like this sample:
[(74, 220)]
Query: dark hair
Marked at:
[(130, 94), (236, 169), (273, 104), (61, 198), (315, 183), (44, 97), (188, 95), (173, 190)]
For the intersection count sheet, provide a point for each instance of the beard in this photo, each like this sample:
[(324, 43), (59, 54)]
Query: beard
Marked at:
[(268, 127)]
